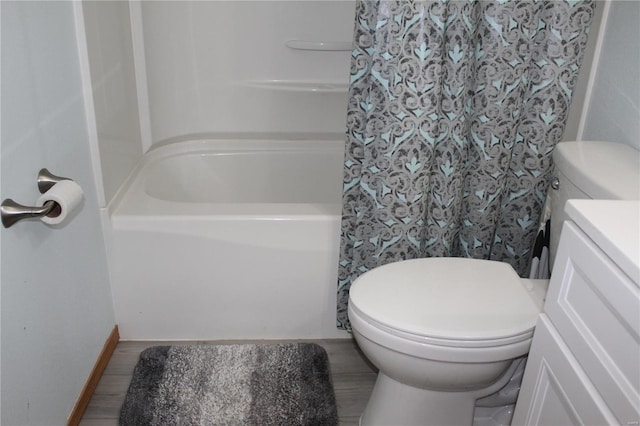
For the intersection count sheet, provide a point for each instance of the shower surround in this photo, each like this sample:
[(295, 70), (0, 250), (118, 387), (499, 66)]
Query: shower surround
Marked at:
[(230, 231)]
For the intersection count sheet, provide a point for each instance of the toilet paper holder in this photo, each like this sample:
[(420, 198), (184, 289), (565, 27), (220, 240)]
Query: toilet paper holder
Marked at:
[(12, 212)]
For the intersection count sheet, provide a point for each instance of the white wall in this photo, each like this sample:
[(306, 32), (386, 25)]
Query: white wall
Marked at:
[(204, 58), (578, 100), (56, 310), (109, 46), (614, 105)]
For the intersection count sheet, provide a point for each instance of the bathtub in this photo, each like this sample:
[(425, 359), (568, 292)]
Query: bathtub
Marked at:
[(229, 239)]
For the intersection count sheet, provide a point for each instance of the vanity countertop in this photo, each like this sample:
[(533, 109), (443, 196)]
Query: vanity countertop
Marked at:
[(614, 226)]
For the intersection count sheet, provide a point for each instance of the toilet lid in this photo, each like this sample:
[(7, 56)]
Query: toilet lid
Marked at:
[(447, 298)]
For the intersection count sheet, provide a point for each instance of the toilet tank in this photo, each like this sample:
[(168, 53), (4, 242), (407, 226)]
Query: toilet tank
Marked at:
[(591, 169)]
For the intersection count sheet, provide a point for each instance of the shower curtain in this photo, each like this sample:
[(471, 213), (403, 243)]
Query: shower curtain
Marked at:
[(454, 110)]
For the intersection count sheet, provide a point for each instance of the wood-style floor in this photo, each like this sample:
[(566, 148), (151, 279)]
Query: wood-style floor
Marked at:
[(353, 379)]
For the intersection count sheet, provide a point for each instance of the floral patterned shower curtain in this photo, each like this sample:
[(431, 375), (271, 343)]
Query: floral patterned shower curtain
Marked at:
[(454, 110)]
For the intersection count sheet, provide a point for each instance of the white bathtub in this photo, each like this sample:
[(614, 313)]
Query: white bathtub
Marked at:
[(229, 239)]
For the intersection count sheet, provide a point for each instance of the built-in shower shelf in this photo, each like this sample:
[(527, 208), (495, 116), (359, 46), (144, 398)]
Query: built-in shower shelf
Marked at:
[(300, 86), (333, 46)]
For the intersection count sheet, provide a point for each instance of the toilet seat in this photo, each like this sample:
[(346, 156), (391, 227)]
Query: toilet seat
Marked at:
[(450, 302), (436, 349), (447, 343)]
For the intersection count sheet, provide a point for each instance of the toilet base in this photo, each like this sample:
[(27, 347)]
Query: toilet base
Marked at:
[(394, 403)]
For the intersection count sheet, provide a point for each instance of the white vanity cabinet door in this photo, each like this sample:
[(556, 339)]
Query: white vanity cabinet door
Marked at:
[(555, 391), (595, 308)]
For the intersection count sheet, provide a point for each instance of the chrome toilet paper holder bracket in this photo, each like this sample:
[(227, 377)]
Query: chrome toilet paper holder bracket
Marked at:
[(46, 180), (12, 212)]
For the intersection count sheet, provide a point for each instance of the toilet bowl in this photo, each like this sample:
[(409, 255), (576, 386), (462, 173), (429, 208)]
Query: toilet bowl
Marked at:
[(442, 332)]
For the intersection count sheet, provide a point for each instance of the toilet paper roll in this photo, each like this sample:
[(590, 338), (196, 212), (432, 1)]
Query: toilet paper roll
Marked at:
[(67, 194)]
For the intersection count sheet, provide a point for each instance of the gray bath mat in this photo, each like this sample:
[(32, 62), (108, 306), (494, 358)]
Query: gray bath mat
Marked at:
[(284, 384)]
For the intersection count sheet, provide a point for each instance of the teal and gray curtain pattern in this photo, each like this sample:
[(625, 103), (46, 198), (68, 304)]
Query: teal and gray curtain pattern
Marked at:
[(454, 110)]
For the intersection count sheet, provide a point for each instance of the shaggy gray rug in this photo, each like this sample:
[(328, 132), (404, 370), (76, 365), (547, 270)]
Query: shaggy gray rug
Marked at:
[(279, 384)]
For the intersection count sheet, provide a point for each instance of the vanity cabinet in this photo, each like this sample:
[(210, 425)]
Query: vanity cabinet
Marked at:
[(584, 362)]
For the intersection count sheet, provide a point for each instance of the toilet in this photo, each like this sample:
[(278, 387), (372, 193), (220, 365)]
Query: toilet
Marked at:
[(445, 332)]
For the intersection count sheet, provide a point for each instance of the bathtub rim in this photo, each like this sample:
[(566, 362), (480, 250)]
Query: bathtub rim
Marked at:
[(154, 207)]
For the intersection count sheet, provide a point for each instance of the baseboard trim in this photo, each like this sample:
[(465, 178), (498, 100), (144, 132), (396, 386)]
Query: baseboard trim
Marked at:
[(93, 379)]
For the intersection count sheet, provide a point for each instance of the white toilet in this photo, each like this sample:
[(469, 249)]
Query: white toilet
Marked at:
[(444, 331)]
